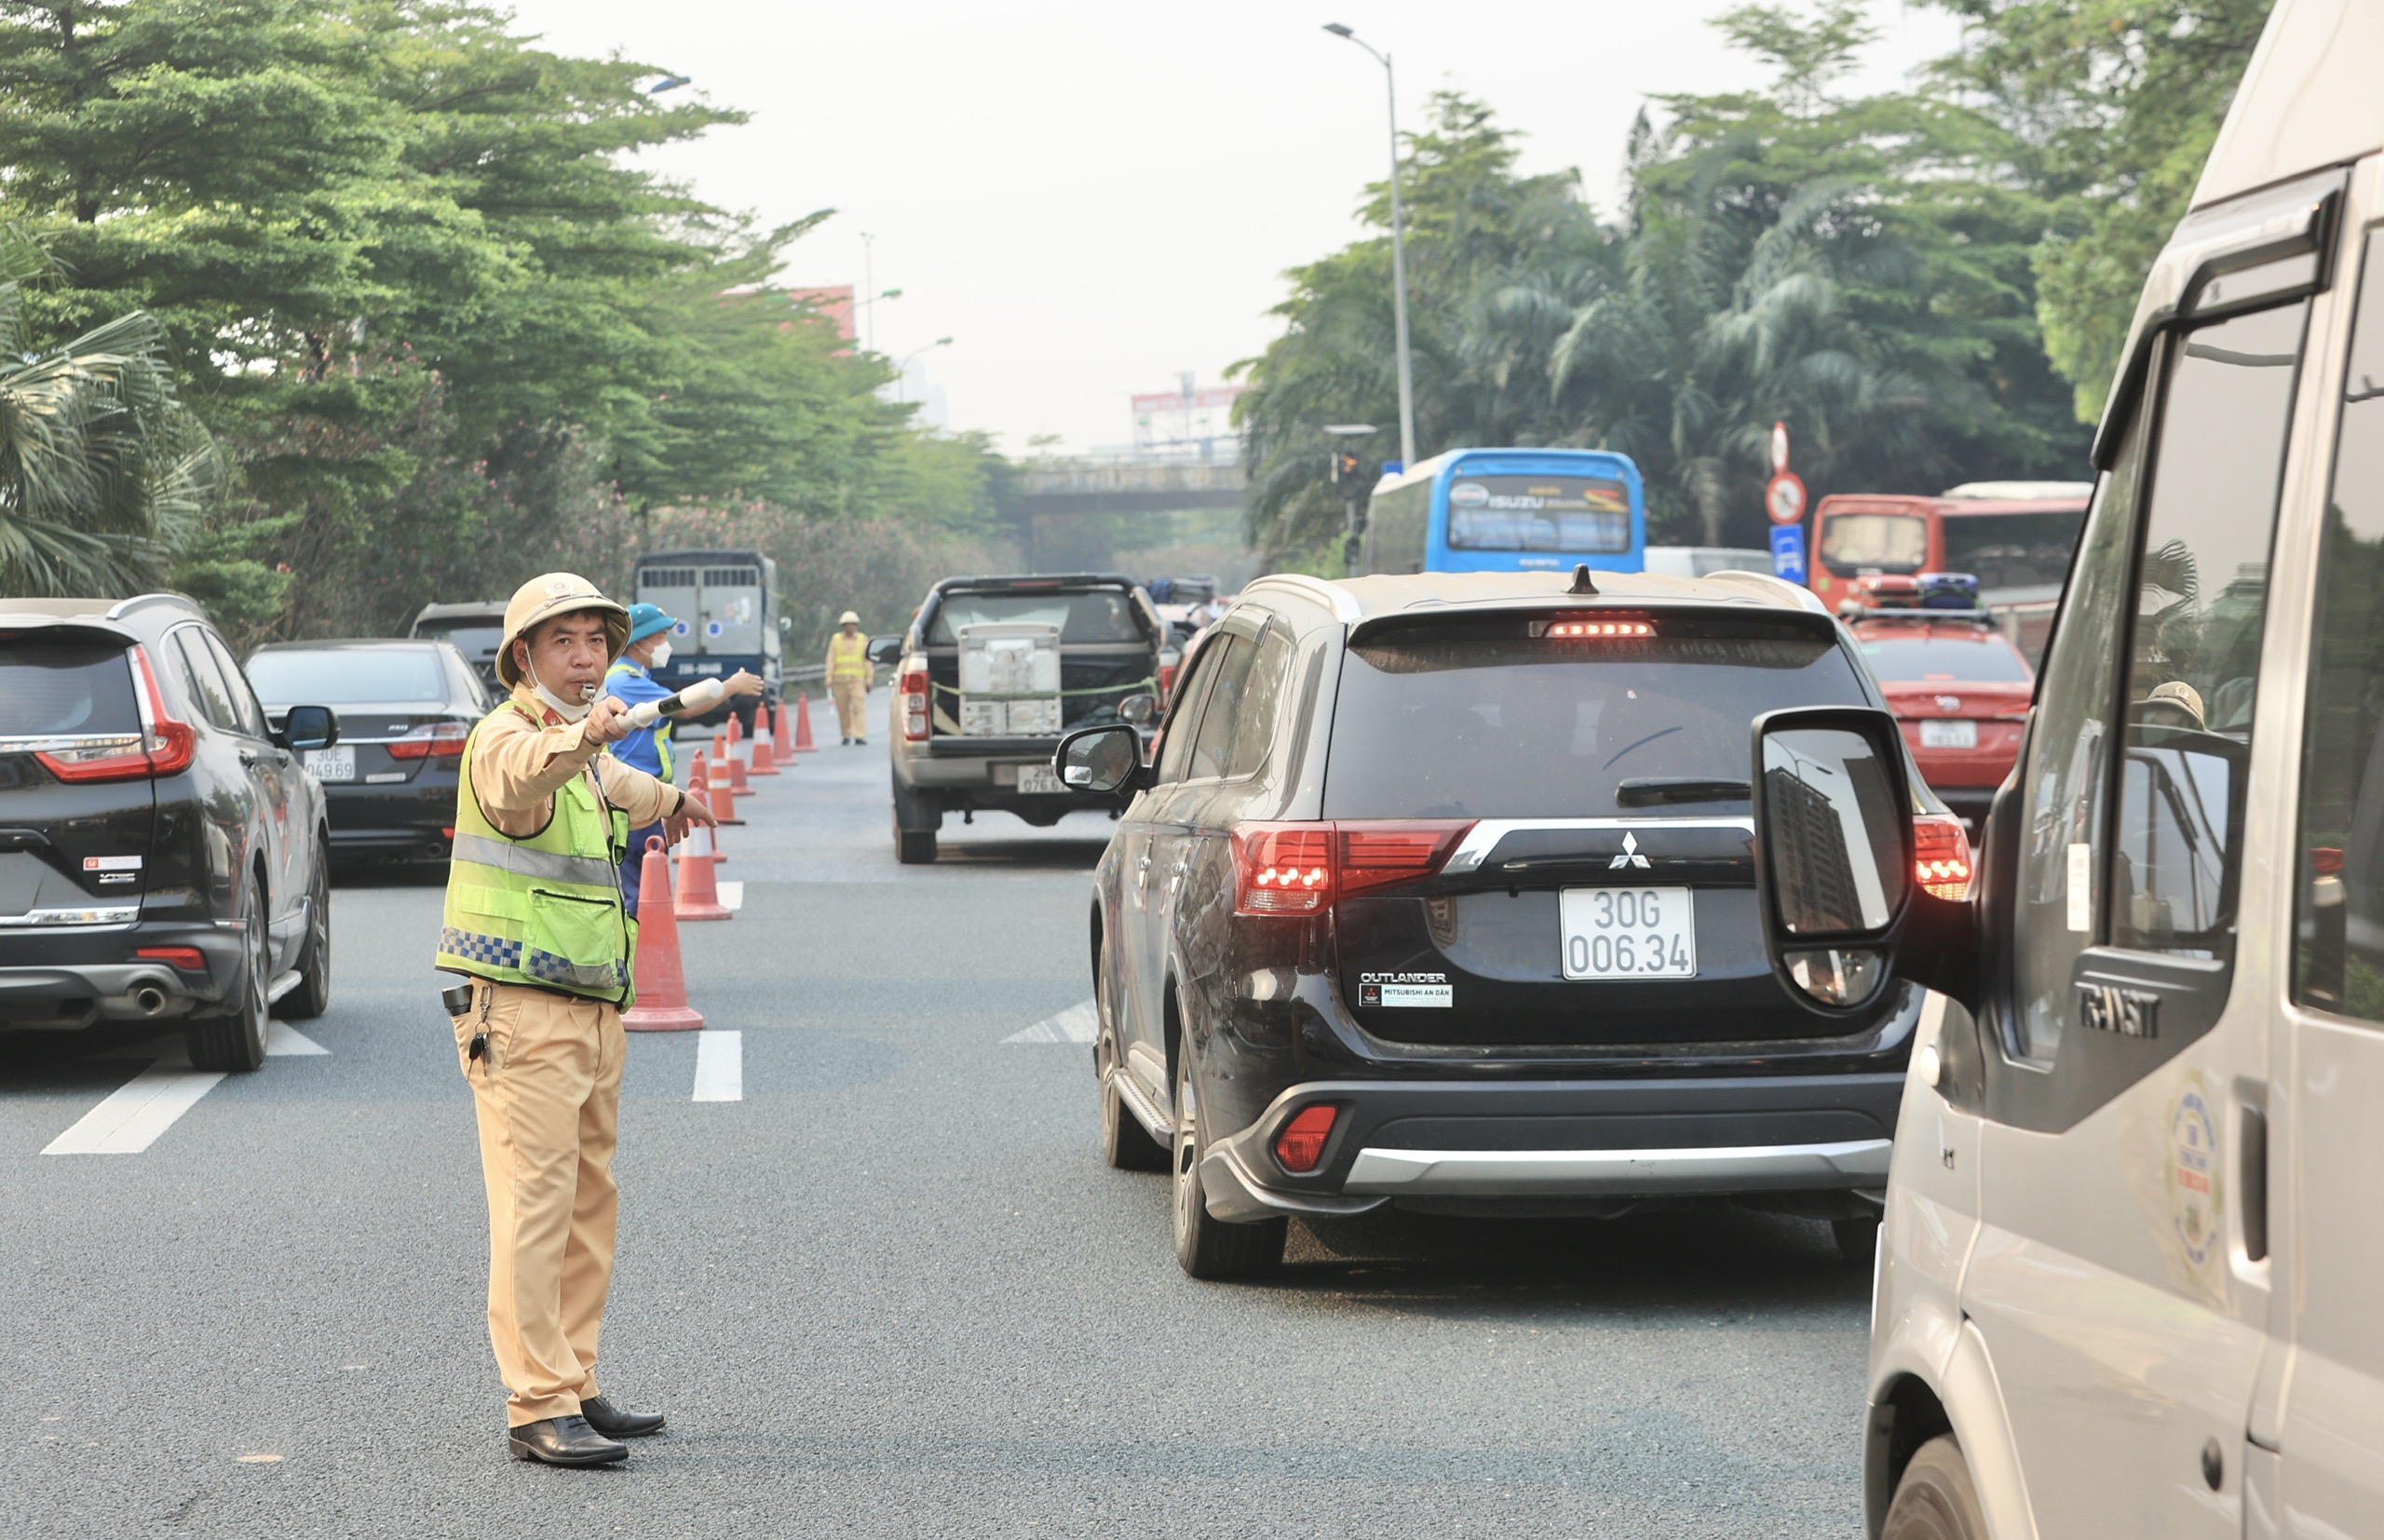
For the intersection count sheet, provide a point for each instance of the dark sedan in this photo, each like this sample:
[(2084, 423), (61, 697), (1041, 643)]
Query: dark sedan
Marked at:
[(405, 709)]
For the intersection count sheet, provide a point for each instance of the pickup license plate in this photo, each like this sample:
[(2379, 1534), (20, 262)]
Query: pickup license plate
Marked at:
[(1949, 734), (1629, 932), (1039, 780), (332, 764)]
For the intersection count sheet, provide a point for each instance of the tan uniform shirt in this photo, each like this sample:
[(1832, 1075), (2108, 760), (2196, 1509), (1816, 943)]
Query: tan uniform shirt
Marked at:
[(517, 769)]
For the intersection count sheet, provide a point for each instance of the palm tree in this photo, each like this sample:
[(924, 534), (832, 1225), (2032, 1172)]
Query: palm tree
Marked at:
[(103, 474)]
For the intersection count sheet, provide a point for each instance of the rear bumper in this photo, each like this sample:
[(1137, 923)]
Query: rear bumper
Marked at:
[(91, 974), (412, 820), (1436, 1142)]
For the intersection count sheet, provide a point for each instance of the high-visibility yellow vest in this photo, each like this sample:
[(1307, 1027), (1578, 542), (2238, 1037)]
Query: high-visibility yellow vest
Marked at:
[(847, 659), (543, 910)]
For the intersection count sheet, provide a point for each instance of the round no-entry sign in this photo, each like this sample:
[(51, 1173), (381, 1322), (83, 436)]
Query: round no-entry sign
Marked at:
[(1783, 498)]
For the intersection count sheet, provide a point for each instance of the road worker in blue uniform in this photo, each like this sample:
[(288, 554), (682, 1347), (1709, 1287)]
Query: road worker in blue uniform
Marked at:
[(631, 681), (535, 922)]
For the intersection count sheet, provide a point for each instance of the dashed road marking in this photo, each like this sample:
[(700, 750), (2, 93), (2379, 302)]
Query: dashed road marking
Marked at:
[(732, 894), (285, 1038), (130, 1121), (719, 1066), (1078, 1023)]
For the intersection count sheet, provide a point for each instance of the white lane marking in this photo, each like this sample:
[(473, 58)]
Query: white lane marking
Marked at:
[(285, 1038), (719, 1066), (732, 894), (1078, 1023), (130, 1121)]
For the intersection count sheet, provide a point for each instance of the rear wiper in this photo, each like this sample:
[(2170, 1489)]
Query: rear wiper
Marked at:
[(1640, 790)]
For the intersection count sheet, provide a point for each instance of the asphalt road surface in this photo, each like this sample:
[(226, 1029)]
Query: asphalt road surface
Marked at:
[(871, 1265)]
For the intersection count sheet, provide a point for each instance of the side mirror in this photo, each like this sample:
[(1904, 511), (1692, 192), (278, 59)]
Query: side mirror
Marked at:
[(1102, 759), (1138, 709), (1836, 846), (884, 651), (309, 727)]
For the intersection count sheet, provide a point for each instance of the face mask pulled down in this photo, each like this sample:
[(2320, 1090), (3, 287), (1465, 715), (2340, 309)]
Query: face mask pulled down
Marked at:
[(570, 711)]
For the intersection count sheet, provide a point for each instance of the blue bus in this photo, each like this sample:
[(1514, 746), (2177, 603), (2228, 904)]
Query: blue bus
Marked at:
[(1474, 510)]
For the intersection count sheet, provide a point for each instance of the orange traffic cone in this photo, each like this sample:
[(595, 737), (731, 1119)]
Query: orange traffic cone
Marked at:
[(731, 767), (780, 747), (803, 743), (764, 762), (661, 980), (724, 802), (699, 893), (699, 846)]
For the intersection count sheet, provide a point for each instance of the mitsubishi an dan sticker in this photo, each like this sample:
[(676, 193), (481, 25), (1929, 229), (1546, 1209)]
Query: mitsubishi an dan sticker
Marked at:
[(1405, 989)]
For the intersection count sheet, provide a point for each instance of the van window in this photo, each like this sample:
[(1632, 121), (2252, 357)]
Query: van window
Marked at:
[(1894, 542), (2338, 937), (1106, 615)]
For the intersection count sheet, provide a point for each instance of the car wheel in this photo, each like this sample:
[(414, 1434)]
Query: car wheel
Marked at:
[(1935, 1499), (236, 1040), (1125, 1143), (1858, 1240), (1207, 1247), (912, 846), (313, 995)]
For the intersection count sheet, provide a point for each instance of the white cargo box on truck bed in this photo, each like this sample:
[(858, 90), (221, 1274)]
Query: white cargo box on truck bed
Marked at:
[(1009, 679)]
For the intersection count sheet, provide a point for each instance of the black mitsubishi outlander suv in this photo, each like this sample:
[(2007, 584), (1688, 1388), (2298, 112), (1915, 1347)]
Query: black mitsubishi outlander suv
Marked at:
[(1439, 893), (161, 845)]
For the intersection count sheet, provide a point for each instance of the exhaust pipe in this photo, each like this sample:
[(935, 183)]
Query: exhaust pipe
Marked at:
[(149, 999)]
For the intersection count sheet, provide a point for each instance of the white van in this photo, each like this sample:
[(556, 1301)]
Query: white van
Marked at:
[(2131, 1276)]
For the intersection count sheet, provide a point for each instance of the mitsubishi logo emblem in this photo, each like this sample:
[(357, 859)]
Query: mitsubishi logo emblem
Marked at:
[(1629, 855)]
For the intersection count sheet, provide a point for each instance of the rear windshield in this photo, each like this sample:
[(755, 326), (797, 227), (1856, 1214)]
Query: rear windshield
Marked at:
[(1589, 514), (1903, 659), (1105, 616), (1448, 725), (1874, 542), (64, 686), (347, 677), (473, 638)]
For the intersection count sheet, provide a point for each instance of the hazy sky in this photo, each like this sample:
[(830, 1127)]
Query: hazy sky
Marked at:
[(1090, 198)]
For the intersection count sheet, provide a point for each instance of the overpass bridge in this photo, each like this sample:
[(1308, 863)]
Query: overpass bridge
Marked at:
[(1079, 487)]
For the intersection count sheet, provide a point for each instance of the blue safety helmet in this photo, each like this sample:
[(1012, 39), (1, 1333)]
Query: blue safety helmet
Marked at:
[(645, 620)]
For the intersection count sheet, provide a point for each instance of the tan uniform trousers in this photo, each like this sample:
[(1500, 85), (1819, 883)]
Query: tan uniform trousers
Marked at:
[(852, 707), (549, 1096)]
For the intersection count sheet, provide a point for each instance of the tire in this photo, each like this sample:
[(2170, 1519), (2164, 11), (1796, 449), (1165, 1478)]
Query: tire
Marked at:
[(1858, 1240), (235, 1042), (1125, 1143), (1935, 1500), (313, 995), (1206, 1247)]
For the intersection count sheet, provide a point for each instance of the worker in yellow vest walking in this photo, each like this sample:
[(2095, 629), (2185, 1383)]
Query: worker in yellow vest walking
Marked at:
[(850, 674), (535, 922)]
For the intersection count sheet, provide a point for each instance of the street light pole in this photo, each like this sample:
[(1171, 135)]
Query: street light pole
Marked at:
[(902, 370), (1397, 252)]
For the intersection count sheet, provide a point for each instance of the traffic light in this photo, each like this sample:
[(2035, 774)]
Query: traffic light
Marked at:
[(1345, 465)]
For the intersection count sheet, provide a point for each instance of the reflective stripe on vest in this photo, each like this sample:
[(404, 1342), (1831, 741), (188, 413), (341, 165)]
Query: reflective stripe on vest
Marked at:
[(848, 662), (546, 909)]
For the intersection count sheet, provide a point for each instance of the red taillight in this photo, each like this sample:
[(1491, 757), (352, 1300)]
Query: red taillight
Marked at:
[(915, 705), (1941, 856), (440, 740), (1302, 868), (188, 959), (1301, 1145), (162, 746)]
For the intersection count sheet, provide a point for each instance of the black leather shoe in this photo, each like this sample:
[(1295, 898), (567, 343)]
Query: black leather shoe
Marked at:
[(612, 1422), (563, 1441)]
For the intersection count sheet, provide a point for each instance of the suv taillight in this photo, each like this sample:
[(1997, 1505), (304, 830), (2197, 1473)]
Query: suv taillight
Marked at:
[(439, 740), (1941, 856), (1302, 868), (915, 705), (163, 746)]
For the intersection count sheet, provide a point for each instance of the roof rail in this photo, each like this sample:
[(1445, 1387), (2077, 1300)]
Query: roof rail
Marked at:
[(1315, 590)]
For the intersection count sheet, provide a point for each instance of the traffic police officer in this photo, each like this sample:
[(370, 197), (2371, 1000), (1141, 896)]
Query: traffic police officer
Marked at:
[(631, 681), (535, 920), (850, 674)]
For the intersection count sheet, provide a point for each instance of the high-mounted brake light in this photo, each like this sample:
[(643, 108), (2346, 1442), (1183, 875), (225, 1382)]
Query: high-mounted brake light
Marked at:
[(439, 740), (1579, 629), (1301, 1145), (915, 705), (1941, 856), (163, 747), (1302, 868)]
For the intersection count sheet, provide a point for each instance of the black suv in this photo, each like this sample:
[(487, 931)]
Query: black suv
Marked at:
[(1441, 893), (161, 847)]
